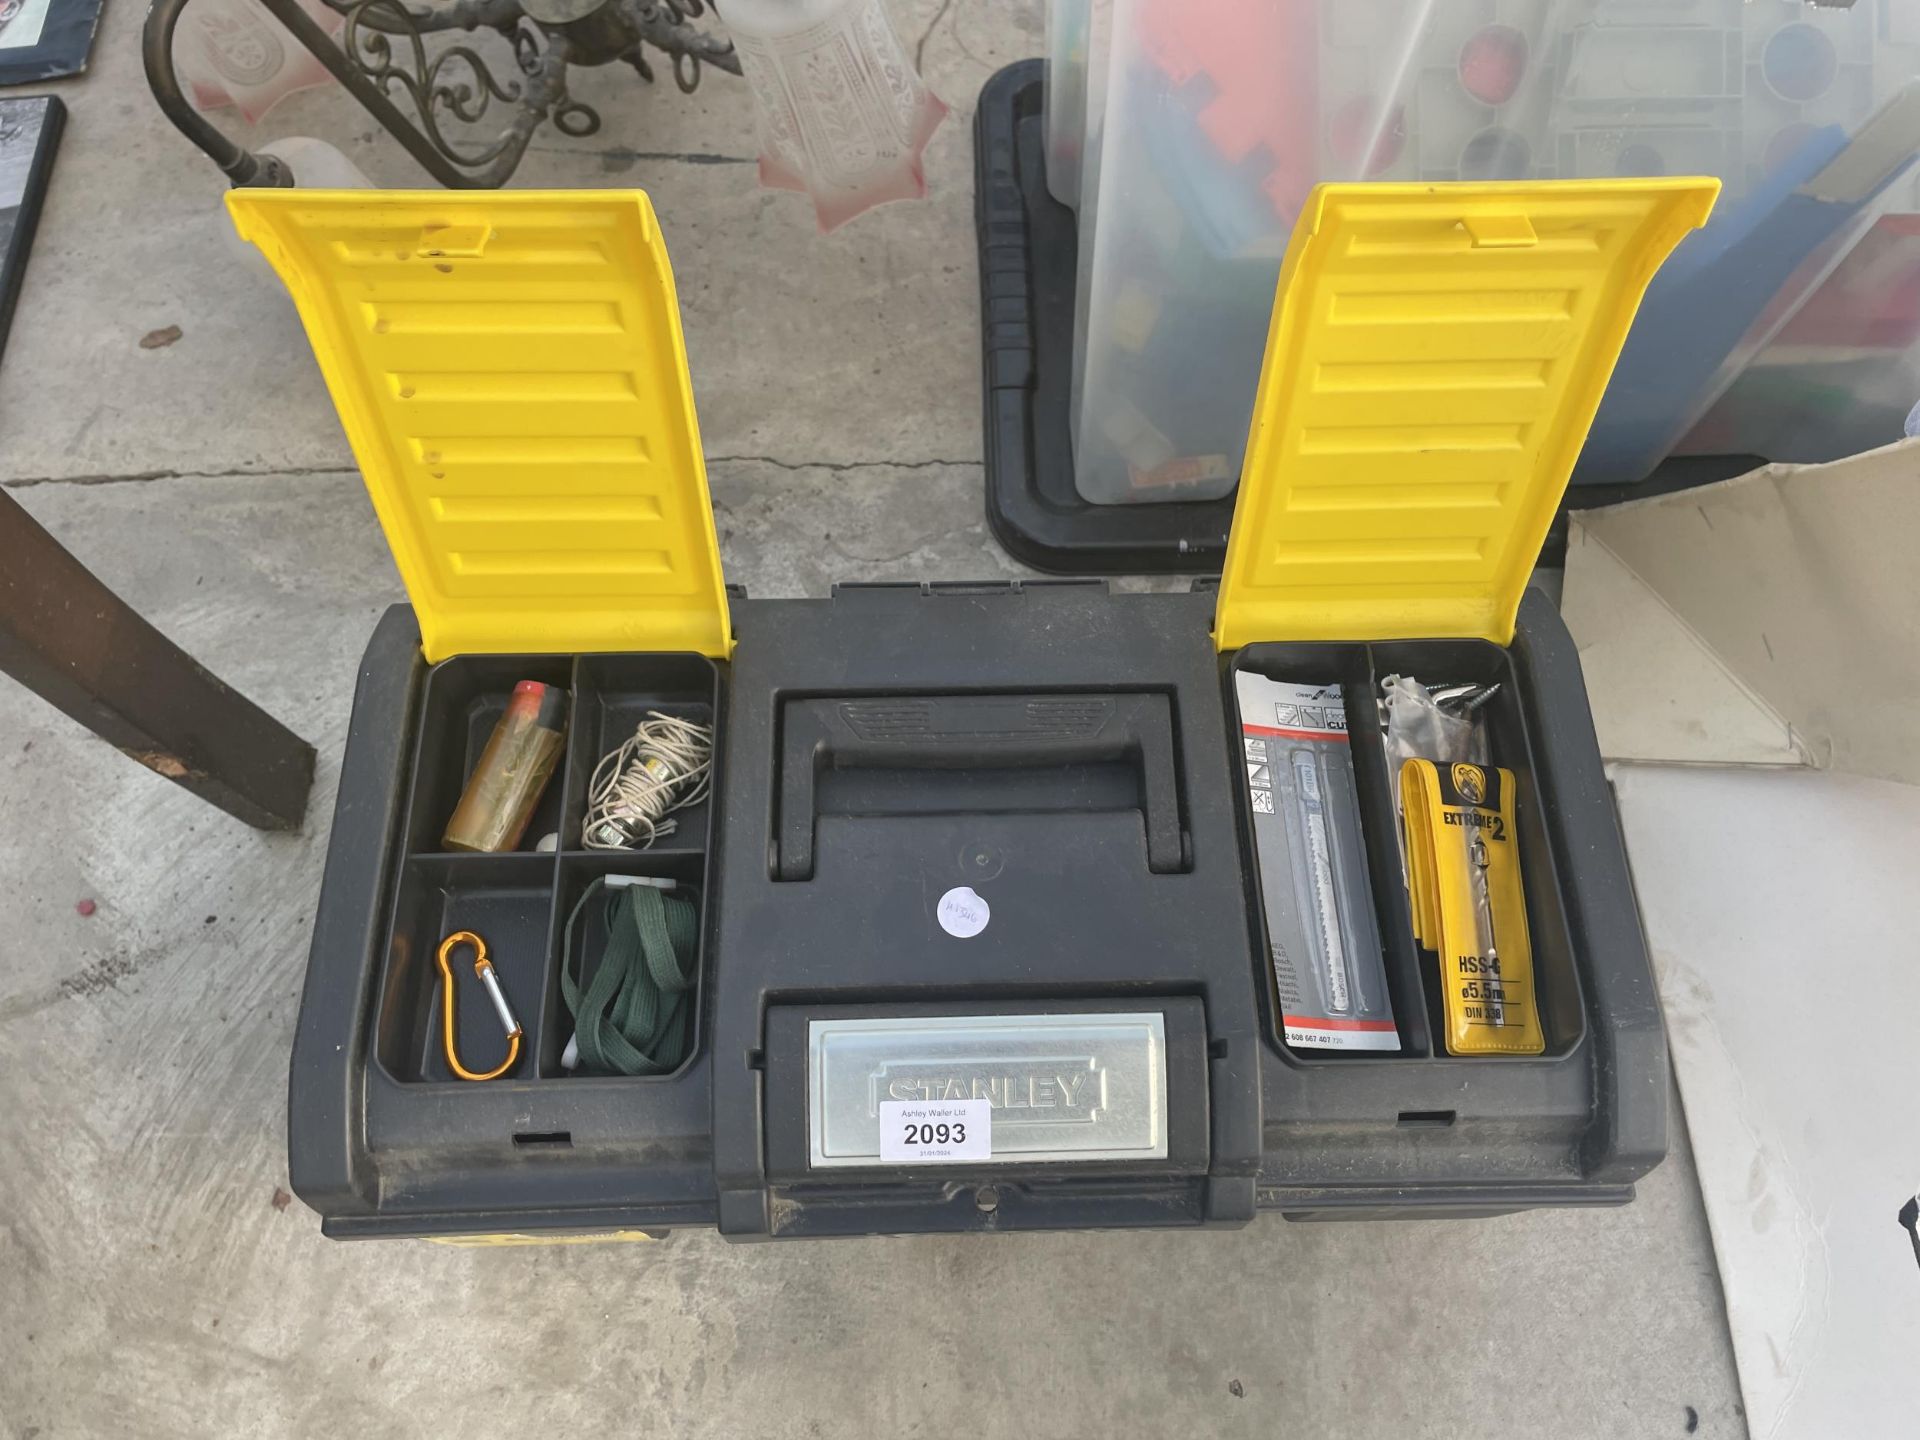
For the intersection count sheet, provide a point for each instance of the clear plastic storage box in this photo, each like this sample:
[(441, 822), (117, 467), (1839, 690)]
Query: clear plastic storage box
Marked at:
[(1186, 133), (1068, 25)]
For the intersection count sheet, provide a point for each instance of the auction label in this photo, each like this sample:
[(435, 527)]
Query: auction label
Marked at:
[(940, 1132)]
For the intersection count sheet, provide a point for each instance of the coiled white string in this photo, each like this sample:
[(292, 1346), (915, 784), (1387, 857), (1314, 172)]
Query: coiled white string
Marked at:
[(665, 765)]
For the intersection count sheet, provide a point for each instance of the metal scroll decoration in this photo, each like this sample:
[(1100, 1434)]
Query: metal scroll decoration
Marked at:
[(668, 26), (466, 96), (383, 60)]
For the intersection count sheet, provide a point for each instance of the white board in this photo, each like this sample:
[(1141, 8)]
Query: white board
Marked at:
[(1779, 908)]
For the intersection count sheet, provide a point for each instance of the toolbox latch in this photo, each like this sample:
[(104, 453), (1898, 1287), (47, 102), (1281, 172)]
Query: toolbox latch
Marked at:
[(462, 241), (1496, 230)]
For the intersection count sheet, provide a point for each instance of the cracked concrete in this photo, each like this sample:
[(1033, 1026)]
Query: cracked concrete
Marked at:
[(619, 158), (142, 477), (156, 1281), (837, 465)]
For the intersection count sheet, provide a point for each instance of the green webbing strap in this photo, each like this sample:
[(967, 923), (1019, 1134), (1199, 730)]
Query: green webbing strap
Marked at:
[(631, 1017)]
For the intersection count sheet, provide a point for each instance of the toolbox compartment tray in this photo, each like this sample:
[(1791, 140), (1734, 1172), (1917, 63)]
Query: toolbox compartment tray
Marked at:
[(383, 1142), (1006, 818)]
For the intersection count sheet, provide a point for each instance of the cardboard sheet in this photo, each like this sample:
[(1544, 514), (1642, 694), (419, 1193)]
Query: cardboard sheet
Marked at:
[(1776, 905), (1791, 590)]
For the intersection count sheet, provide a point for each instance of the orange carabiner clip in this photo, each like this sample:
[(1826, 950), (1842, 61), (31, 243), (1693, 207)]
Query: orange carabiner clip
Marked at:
[(482, 967)]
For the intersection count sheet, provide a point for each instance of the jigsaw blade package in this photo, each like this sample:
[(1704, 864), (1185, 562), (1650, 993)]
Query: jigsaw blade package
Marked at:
[(1321, 925)]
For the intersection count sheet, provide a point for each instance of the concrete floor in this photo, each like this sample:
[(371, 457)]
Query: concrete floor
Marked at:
[(153, 1280)]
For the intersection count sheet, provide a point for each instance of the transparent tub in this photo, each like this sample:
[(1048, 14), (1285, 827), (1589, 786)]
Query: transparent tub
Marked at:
[(1203, 124)]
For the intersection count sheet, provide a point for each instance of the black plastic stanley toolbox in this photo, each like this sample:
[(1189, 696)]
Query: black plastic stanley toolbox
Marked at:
[(1068, 758)]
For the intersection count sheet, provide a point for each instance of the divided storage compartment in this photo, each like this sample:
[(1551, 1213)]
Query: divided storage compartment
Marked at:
[(1005, 802), (1364, 1135), (1413, 978), (688, 868), (507, 900), (465, 699), (384, 1143), (612, 695), (519, 903)]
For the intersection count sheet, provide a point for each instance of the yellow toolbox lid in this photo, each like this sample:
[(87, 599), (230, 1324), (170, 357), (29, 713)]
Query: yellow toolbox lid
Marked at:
[(1436, 357), (511, 375)]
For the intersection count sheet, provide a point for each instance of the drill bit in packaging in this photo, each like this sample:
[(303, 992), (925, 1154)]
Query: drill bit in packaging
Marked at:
[(1463, 878), (1321, 925)]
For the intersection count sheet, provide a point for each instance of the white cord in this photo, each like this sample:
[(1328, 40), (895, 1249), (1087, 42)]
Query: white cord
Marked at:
[(665, 765)]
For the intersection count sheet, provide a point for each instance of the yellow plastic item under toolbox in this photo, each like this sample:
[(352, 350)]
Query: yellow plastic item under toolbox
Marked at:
[(977, 845)]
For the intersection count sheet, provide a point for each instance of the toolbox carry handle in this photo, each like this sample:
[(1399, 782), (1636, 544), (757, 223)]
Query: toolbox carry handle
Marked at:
[(967, 732)]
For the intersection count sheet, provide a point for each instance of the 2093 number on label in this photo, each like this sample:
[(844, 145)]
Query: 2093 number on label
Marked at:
[(935, 1133), (928, 1133)]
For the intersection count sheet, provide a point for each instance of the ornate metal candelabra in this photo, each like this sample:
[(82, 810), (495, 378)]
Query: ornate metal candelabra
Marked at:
[(382, 57)]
